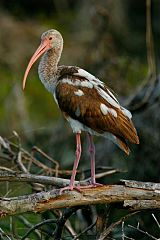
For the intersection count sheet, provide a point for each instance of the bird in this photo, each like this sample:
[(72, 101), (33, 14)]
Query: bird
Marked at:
[(86, 102)]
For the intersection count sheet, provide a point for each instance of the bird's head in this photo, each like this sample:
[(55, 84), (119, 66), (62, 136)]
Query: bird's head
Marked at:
[(50, 39)]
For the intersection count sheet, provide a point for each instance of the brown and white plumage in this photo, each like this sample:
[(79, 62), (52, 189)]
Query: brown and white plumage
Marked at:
[(86, 102)]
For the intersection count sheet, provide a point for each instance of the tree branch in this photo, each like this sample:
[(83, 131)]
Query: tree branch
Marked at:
[(12, 176), (42, 201), (32, 178)]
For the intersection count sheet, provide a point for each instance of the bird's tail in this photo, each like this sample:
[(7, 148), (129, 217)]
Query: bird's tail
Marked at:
[(123, 145), (127, 130)]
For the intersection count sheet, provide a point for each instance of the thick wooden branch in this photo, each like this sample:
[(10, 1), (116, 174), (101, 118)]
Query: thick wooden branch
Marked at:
[(130, 196)]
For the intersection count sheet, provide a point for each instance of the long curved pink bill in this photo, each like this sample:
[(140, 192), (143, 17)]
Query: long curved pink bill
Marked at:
[(40, 50)]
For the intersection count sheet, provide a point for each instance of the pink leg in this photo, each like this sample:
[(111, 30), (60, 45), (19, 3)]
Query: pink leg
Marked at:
[(78, 155), (92, 154)]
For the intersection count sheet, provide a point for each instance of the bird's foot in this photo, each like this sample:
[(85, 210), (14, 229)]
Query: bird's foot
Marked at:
[(96, 184), (70, 188), (92, 185), (79, 187)]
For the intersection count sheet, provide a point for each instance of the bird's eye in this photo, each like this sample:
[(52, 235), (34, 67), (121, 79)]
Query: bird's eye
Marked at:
[(50, 38)]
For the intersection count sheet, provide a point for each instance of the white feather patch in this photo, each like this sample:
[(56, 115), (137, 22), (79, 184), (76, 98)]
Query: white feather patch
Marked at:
[(126, 112), (76, 126), (86, 84), (113, 112), (78, 83), (112, 96), (79, 93), (85, 74), (54, 95), (104, 109), (67, 80), (91, 78), (108, 98)]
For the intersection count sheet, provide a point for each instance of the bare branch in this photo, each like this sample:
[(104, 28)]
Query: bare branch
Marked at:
[(31, 178), (29, 225), (85, 230), (4, 234), (58, 182), (158, 224), (145, 185), (35, 148), (43, 201), (19, 154), (150, 40), (142, 204), (48, 221), (62, 220), (141, 231), (107, 231)]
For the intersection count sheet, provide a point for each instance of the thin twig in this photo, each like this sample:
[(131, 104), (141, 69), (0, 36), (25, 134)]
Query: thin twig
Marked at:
[(141, 231), (61, 222), (85, 230), (24, 155), (123, 234), (67, 225), (107, 231), (156, 220), (150, 41), (69, 228), (5, 158), (20, 163), (19, 154), (35, 148), (29, 225), (48, 221), (6, 169), (3, 233)]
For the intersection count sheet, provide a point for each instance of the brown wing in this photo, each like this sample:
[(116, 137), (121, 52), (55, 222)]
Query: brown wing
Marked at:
[(86, 109)]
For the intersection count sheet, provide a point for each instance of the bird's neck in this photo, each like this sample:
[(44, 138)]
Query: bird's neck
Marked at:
[(48, 68)]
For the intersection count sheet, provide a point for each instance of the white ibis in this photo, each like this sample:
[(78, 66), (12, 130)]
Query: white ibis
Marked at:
[(86, 102)]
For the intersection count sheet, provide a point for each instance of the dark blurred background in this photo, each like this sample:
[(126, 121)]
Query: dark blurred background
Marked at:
[(108, 39)]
